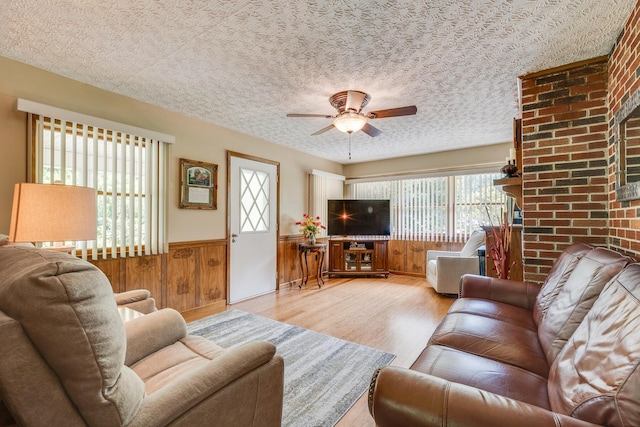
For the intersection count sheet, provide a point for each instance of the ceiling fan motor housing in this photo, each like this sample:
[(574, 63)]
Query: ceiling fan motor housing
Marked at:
[(339, 100)]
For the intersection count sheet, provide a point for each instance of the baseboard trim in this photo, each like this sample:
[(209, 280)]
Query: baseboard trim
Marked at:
[(203, 311)]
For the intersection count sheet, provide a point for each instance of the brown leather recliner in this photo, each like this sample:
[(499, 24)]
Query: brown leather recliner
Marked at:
[(509, 353), (68, 359)]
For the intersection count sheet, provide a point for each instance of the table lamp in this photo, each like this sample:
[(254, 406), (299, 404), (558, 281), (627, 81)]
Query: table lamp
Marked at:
[(53, 213)]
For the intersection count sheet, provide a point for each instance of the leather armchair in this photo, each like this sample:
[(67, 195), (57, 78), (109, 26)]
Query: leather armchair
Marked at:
[(68, 358)]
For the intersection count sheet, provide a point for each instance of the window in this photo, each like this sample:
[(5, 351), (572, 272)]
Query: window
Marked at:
[(254, 201), (477, 202), (446, 208), (323, 186), (127, 170)]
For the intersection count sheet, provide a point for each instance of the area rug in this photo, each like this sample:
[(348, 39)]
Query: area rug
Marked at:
[(323, 376)]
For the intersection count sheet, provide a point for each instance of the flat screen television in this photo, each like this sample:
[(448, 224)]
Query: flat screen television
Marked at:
[(359, 217)]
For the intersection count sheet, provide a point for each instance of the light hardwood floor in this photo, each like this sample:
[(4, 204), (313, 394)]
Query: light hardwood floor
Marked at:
[(397, 315)]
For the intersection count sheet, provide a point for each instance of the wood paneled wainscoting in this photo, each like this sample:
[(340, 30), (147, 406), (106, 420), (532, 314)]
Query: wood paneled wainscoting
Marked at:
[(192, 276), (289, 272), (410, 256), (405, 257)]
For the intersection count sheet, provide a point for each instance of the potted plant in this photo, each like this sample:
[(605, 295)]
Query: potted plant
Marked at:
[(499, 245), (310, 226)]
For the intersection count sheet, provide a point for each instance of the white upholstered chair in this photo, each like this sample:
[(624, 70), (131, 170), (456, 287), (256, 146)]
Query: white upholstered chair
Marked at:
[(444, 268)]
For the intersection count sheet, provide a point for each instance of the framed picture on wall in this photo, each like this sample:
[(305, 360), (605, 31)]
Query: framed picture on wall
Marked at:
[(198, 185)]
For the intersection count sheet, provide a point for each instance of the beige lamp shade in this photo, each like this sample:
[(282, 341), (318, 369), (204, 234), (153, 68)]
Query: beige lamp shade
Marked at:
[(52, 213), (350, 122)]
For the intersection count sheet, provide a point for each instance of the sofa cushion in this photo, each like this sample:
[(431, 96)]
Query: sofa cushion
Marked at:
[(486, 374), (596, 377), (557, 277), (164, 366), (494, 310), (73, 322), (567, 310), (494, 339)]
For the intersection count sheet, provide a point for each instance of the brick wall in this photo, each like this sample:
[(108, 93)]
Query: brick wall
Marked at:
[(624, 81), (565, 176)]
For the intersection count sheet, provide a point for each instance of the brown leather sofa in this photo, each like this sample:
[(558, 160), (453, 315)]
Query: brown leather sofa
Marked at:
[(68, 359), (519, 354)]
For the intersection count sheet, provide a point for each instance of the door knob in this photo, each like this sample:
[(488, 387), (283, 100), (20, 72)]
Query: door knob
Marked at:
[(233, 237)]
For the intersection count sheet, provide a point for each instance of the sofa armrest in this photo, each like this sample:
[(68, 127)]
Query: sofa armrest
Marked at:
[(152, 332), (402, 397), (449, 270), (137, 299), (431, 255), (513, 292), (131, 296), (162, 406)]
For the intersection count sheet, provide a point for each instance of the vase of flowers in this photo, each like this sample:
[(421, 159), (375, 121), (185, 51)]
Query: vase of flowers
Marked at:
[(310, 226)]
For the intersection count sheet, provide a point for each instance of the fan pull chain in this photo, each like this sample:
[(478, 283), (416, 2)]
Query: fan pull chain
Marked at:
[(350, 145)]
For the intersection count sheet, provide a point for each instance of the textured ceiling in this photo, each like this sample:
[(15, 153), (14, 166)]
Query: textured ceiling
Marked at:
[(244, 64)]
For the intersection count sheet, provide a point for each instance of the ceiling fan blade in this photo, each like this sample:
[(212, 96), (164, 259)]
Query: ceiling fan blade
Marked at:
[(311, 115), (370, 130), (354, 100), (392, 112), (323, 130)]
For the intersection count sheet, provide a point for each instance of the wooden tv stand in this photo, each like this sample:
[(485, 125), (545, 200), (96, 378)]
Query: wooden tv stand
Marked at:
[(358, 256)]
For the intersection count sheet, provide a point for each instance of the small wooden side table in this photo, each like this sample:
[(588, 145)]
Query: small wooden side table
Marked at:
[(303, 252)]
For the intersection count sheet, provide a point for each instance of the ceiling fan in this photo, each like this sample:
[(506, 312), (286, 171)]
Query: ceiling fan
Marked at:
[(350, 118)]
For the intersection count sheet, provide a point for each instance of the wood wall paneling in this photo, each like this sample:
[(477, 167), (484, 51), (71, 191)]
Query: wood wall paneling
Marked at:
[(289, 272), (288, 268), (181, 278), (144, 272), (416, 258), (397, 255), (410, 256), (111, 268), (212, 275), (192, 276)]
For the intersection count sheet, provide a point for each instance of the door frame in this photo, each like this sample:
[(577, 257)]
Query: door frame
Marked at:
[(231, 154)]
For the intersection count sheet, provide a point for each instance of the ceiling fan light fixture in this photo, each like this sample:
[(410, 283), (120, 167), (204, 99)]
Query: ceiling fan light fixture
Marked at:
[(350, 122)]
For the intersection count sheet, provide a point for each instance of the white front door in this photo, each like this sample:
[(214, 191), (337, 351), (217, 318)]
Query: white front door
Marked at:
[(253, 211)]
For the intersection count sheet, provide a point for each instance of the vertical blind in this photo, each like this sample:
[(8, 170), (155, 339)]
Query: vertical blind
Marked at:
[(446, 208), (477, 202), (322, 187), (127, 170)]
